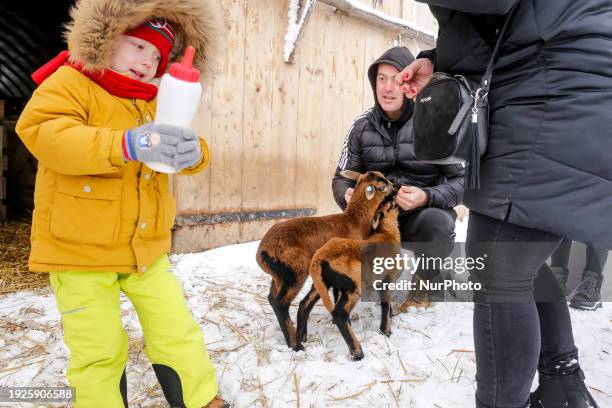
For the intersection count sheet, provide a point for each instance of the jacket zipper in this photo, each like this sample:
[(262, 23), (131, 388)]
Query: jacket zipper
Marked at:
[(140, 119), (396, 152)]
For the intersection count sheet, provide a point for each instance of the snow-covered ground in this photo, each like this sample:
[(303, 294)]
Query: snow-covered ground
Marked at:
[(427, 362)]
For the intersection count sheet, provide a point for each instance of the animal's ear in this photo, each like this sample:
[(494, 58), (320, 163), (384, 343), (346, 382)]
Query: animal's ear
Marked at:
[(350, 174), (376, 220), (370, 190)]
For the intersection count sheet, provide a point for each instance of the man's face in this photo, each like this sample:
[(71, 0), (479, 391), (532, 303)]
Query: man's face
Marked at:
[(136, 58), (388, 92)]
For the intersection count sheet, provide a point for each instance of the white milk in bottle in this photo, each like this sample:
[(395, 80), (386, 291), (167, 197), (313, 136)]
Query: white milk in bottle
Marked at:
[(178, 99)]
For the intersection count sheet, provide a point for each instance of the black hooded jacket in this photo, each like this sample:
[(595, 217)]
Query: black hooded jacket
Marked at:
[(548, 163), (376, 143)]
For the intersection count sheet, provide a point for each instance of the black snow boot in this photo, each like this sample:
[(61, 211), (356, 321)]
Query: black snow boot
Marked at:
[(567, 391), (588, 294)]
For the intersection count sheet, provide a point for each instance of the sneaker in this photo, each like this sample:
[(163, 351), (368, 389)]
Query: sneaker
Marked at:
[(567, 391), (588, 294), (416, 298)]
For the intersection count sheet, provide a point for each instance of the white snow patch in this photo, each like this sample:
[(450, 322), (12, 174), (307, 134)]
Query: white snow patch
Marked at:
[(295, 25), (428, 361)]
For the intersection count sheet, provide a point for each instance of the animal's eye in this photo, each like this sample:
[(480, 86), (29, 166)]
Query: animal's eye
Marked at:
[(370, 188)]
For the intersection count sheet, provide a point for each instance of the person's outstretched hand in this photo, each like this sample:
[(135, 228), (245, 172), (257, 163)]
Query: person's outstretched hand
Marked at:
[(415, 76)]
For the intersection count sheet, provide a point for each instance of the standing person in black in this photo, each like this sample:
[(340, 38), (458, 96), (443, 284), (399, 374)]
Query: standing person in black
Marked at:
[(381, 140), (588, 294), (546, 175)]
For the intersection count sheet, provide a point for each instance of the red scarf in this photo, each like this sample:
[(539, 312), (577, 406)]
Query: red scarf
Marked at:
[(113, 82)]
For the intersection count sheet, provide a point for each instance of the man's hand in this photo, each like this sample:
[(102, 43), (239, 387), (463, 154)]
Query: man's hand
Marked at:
[(410, 197), (348, 194), (415, 76)]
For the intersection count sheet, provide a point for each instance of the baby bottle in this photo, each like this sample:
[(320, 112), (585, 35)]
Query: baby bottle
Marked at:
[(178, 99)]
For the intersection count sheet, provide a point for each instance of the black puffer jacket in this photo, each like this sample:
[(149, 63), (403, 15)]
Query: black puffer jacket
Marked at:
[(370, 146), (549, 160)]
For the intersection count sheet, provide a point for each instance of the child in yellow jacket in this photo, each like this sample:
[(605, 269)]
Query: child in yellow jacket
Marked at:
[(102, 220)]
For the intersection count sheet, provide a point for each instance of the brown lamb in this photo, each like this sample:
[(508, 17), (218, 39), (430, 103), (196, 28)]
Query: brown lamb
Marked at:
[(286, 249), (337, 265)]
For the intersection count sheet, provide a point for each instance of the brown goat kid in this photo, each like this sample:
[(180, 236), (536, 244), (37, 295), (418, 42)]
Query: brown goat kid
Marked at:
[(337, 265), (286, 249)]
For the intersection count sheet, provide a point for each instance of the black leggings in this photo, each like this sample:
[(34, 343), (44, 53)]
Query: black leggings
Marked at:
[(513, 334)]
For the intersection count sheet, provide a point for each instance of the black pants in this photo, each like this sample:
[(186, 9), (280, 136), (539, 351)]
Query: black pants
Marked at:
[(596, 257), (513, 334), (429, 231)]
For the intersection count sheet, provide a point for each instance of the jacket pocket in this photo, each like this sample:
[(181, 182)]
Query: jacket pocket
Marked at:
[(166, 210), (86, 210)]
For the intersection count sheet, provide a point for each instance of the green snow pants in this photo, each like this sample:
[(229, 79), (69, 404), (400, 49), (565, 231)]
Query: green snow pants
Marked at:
[(98, 344)]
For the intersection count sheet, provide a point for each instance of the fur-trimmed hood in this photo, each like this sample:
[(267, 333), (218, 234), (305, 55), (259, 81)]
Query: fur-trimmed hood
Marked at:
[(97, 26)]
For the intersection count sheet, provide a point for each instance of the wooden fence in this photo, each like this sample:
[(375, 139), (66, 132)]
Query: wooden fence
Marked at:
[(276, 129)]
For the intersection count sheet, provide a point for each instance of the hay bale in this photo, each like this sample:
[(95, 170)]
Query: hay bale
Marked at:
[(14, 253)]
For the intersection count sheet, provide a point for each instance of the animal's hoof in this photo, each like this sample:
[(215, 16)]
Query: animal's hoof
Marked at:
[(356, 356), (386, 332), (298, 347)]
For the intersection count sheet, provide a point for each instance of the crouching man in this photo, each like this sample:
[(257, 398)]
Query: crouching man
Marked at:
[(380, 139)]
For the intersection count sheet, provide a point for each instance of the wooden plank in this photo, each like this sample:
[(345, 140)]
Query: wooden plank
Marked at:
[(352, 84), (311, 58), (378, 40), (191, 239), (253, 231), (342, 100), (331, 127), (2, 104), (283, 79), (228, 128), (260, 175), (285, 86)]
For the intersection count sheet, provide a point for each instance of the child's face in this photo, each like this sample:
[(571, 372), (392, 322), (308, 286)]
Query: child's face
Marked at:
[(136, 58)]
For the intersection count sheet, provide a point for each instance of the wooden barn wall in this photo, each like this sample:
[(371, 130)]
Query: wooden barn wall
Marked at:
[(275, 130)]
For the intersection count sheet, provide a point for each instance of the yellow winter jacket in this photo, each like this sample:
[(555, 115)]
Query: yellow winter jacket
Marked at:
[(93, 211)]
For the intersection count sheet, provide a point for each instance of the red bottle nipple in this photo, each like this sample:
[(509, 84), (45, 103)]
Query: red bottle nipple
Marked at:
[(184, 70)]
